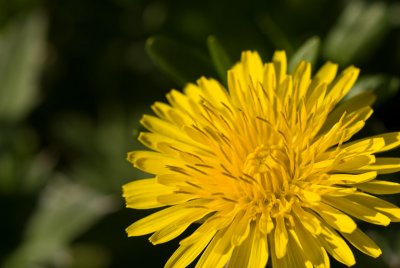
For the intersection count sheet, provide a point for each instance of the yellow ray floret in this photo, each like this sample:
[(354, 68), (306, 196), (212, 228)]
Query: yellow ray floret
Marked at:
[(264, 168)]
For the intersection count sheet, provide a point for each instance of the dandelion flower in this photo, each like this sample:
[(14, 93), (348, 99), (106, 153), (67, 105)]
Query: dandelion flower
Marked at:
[(263, 169)]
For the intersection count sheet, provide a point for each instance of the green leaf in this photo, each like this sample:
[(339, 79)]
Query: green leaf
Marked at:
[(220, 57), (22, 47), (182, 64), (357, 32), (308, 51), (65, 211), (383, 86)]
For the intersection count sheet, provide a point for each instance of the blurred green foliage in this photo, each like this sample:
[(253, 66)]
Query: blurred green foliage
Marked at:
[(22, 47), (76, 76)]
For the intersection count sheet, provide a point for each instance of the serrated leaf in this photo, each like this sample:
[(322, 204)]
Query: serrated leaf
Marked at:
[(357, 32), (383, 86), (219, 57), (182, 64), (308, 51)]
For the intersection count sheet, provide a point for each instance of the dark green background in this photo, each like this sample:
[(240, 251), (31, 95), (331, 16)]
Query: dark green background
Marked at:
[(96, 80)]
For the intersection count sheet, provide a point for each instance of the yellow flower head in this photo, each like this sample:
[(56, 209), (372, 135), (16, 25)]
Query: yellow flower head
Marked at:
[(264, 169)]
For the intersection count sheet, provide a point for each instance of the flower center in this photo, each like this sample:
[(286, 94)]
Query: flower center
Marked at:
[(269, 169), (266, 159)]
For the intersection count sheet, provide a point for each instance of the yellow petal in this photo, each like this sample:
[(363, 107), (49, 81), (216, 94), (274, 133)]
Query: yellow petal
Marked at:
[(363, 243), (375, 144), (355, 163), (311, 247), (324, 164), (359, 210), (392, 140), (170, 114), (186, 254), (194, 95), (173, 179), (285, 91), (350, 106), (259, 253), (364, 146), (384, 165), (379, 187), (218, 221), (336, 218), (350, 124), (168, 233), (152, 162), (280, 63), (309, 221), (161, 110), (160, 219), (170, 146), (335, 190), (315, 99), (352, 178), (214, 92), (164, 128), (180, 101), (175, 198), (302, 78), (309, 196), (214, 258), (266, 224), (253, 252), (294, 256), (280, 237), (234, 234), (243, 78), (235, 86), (336, 246), (269, 82), (171, 231), (252, 66), (143, 194), (241, 228), (386, 208), (341, 86), (326, 73)]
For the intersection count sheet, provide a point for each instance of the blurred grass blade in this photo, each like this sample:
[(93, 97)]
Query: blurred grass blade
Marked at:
[(383, 86), (308, 51), (65, 211), (357, 32), (274, 34), (22, 45), (182, 64), (220, 57)]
